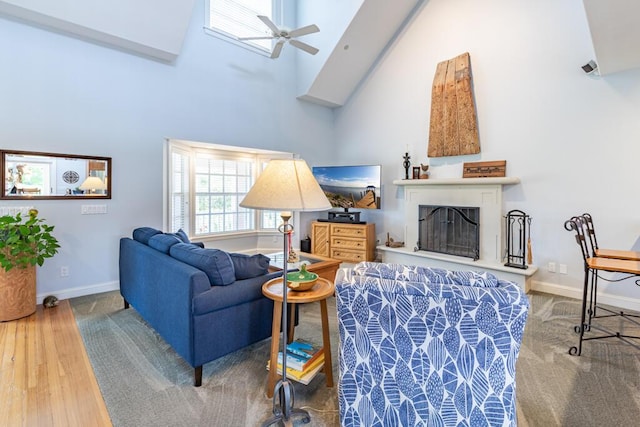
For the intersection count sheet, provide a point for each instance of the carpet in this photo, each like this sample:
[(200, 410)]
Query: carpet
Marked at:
[(145, 383), (599, 388)]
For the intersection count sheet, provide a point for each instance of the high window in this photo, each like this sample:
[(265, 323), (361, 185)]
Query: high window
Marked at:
[(235, 19), (206, 184)]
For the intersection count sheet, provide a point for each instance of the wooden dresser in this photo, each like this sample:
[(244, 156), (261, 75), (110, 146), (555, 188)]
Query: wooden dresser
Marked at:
[(346, 242)]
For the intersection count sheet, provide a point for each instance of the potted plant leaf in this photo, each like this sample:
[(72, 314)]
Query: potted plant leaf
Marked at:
[(24, 243)]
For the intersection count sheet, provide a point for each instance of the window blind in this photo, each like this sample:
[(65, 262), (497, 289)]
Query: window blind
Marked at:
[(239, 18), (179, 209)]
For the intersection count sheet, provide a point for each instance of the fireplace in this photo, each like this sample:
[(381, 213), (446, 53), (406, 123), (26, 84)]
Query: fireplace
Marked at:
[(452, 230), (483, 193)]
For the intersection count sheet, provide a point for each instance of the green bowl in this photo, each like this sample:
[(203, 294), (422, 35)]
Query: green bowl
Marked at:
[(298, 281)]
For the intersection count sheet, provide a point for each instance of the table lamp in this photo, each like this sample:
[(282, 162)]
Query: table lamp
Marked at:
[(286, 185), (92, 184)]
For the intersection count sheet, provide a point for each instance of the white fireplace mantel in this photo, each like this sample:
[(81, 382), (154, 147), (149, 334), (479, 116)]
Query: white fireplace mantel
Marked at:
[(485, 193), (457, 181)]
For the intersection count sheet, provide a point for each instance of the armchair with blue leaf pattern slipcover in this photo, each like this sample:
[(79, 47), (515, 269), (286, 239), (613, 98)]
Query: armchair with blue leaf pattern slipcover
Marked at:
[(427, 347)]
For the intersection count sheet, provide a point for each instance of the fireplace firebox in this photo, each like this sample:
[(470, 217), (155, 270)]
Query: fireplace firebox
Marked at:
[(452, 230)]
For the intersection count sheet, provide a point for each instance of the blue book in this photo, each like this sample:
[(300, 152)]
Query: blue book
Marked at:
[(293, 361), (303, 349)]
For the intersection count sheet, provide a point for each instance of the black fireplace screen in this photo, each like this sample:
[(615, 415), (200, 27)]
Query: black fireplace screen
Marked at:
[(449, 230)]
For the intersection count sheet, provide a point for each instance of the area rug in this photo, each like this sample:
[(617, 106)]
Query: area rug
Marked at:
[(145, 383)]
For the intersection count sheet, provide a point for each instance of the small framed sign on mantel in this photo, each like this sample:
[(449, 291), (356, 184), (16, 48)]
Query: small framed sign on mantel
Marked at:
[(496, 168)]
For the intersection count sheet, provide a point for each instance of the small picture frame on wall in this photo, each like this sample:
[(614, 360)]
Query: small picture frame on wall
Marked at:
[(416, 172)]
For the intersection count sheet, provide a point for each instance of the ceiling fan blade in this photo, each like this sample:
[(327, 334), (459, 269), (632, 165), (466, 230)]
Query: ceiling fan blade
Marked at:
[(269, 24), (300, 45), (255, 38), (309, 29), (277, 49)]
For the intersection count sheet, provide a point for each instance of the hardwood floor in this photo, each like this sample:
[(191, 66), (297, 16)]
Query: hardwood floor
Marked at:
[(45, 375)]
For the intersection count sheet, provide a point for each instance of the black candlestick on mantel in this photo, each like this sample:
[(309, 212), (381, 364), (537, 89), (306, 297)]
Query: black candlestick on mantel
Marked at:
[(406, 165)]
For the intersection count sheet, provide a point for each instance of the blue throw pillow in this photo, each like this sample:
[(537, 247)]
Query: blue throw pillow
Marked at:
[(163, 242), (215, 263), (249, 266), (143, 234), (180, 234)]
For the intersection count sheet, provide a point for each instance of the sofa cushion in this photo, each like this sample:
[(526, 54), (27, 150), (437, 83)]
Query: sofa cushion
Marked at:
[(182, 236), (473, 278), (143, 234), (409, 273), (414, 273), (215, 263), (223, 297), (249, 266), (163, 242)]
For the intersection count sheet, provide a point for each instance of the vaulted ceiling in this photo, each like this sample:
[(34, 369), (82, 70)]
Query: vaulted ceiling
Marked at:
[(149, 27), (157, 29), (615, 33)]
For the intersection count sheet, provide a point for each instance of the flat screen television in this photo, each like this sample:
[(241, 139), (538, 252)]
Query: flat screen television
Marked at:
[(348, 187)]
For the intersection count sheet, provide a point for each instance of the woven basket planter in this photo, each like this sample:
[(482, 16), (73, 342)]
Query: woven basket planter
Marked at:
[(17, 293)]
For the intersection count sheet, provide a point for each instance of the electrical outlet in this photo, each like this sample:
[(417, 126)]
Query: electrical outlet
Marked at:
[(563, 268), (93, 209), (64, 271), (551, 267)]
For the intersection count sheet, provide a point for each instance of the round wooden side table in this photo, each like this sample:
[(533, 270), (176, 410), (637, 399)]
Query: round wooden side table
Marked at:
[(322, 290)]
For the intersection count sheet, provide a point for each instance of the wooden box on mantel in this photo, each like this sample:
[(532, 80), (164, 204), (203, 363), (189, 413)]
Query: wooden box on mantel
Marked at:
[(496, 168)]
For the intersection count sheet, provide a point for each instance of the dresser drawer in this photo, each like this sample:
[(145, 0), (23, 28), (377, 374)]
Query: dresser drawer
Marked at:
[(348, 231), (348, 256), (348, 243)]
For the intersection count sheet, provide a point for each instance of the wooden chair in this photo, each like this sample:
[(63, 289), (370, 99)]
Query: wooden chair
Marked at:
[(592, 266), (606, 253)]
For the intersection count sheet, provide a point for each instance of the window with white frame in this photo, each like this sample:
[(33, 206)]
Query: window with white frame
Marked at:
[(220, 184), (179, 188), (206, 186), (236, 19)]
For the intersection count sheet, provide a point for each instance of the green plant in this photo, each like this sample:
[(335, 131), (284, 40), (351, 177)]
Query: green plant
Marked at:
[(25, 242)]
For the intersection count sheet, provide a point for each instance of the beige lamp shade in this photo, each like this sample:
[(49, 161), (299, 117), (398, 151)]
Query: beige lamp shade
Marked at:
[(286, 185), (93, 183)]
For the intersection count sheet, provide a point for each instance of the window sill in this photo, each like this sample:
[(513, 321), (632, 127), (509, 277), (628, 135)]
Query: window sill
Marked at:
[(230, 39), (232, 236)]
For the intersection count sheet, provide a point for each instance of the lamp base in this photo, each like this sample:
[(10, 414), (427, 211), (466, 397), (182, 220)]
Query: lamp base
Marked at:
[(283, 412)]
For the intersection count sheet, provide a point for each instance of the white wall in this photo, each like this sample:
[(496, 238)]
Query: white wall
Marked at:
[(571, 138), (64, 95)]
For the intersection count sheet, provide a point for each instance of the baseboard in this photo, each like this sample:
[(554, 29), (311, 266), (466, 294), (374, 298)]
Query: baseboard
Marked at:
[(546, 287), (81, 291), (572, 292)]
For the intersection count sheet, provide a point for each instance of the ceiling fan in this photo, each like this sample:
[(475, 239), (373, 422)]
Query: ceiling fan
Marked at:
[(284, 35)]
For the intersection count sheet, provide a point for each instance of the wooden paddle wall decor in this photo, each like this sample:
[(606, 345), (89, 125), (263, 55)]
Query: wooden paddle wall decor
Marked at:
[(454, 125)]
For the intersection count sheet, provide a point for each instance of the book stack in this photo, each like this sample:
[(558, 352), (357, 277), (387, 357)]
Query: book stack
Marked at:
[(304, 361)]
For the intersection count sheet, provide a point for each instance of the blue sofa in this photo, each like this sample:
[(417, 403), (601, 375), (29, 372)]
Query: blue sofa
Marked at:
[(204, 302)]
